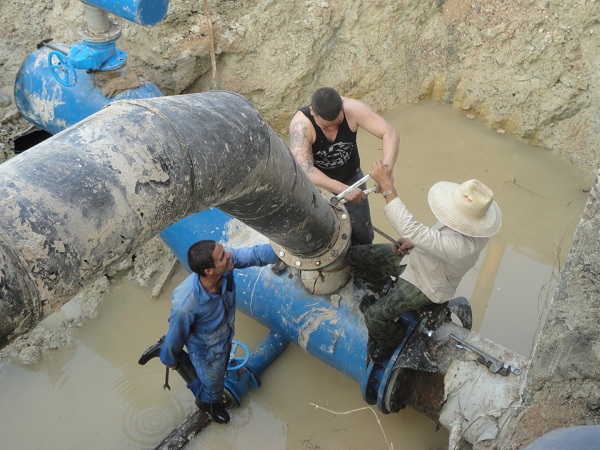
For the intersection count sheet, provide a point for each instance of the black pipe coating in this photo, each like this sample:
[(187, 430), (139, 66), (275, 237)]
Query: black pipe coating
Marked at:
[(78, 203)]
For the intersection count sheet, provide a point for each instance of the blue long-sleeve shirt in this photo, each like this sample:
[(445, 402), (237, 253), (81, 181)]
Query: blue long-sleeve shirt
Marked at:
[(202, 321)]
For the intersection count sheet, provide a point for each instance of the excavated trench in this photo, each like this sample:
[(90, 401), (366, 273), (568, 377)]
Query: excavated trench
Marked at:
[(528, 69)]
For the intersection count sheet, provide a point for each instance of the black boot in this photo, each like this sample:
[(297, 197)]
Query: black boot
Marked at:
[(218, 413), (151, 352), (378, 353)]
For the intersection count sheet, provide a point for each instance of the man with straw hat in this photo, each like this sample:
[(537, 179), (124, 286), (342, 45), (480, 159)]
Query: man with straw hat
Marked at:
[(428, 262)]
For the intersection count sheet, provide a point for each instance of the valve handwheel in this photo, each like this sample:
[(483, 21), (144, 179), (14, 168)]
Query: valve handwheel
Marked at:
[(238, 361), (62, 70)]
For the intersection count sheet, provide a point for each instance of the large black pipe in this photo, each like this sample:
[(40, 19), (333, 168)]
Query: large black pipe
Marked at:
[(76, 204)]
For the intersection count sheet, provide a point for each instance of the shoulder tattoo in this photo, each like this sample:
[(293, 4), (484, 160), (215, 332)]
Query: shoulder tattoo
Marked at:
[(300, 146)]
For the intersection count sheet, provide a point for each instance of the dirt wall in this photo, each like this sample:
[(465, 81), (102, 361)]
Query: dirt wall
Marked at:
[(563, 383), (529, 67)]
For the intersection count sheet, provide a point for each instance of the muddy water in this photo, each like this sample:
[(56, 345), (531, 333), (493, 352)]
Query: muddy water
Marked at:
[(93, 394)]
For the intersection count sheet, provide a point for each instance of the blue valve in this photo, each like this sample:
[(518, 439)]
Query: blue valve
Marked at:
[(62, 69), (238, 361)]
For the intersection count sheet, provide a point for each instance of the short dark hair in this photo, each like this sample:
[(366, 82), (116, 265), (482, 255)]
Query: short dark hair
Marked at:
[(326, 103), (200, 257)]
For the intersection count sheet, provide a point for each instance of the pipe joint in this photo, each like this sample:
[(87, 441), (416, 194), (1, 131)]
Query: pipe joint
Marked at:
[(332, 256), (328, 271)]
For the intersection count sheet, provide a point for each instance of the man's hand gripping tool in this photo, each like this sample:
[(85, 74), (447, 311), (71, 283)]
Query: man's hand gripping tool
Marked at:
[(340, 197)]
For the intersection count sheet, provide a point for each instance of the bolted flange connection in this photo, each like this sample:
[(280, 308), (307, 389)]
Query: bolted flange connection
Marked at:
[(334, 252), (327, 272)]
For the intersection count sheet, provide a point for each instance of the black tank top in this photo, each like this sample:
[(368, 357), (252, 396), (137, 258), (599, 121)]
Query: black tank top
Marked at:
[(338, 159)]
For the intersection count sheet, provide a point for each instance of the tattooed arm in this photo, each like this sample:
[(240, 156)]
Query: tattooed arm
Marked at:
[(302, 136)]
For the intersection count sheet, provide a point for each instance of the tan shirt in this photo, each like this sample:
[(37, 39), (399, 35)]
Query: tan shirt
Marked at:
[(441, 255)]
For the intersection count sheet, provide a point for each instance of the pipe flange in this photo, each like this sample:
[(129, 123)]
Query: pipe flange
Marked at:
[(112, 34), (333, 254)]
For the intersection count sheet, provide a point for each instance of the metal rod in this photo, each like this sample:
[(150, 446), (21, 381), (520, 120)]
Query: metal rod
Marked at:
[(377, 230)]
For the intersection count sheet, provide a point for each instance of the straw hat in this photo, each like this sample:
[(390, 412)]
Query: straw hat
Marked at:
[(468, 208)]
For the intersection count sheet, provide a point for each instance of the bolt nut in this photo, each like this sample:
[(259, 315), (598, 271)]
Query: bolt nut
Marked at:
[(281, 254), (298, 263), (317, 263), (344, 236), (344, 216)]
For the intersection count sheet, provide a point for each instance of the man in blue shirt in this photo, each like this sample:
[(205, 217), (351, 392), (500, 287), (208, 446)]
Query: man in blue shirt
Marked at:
[(202, 317)]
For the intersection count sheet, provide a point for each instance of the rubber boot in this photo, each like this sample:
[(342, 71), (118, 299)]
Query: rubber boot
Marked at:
[(151, 352), (378, 353), (185, 368), (218, 413)]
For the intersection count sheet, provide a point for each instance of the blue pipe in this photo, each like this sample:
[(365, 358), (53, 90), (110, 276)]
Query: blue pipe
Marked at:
[(142, 12), (238, 382), (333, 332), (53, 105), (266, 353)]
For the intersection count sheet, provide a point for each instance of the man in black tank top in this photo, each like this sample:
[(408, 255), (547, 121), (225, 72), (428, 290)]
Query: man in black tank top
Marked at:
[(323, 141)]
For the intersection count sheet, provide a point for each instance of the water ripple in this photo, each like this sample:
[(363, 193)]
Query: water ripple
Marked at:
[(149, 412)]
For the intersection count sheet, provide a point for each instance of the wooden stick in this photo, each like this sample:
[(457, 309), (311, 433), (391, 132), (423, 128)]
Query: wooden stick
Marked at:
[(211, 36), (164, 278), (195, 422)]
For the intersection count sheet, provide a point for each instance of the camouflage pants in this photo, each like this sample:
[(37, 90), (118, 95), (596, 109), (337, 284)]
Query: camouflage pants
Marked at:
[(374, 265)]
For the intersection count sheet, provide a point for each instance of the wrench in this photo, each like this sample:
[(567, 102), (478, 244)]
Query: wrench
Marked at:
[(366, 192), (493, 364), (166, 386), (335, 200)]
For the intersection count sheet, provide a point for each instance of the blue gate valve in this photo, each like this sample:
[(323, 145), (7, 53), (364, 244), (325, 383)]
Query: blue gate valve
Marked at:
[(97, 56), (245, 369), (238, 361), (62, 69)]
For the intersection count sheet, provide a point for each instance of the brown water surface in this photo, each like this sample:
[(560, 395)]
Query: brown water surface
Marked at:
[(93, 394)]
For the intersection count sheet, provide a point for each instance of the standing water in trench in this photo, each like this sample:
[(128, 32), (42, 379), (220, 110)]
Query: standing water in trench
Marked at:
[(93, 394)]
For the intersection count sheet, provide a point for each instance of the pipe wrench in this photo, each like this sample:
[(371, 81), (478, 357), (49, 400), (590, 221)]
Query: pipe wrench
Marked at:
[(493, 364)]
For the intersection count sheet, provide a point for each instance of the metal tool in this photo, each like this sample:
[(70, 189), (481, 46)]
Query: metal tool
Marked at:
[(335, 200), (377, 230), (493, 364), (166, 386), (366, 192)]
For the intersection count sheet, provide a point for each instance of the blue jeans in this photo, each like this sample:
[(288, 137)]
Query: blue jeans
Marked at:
[(210, 367)]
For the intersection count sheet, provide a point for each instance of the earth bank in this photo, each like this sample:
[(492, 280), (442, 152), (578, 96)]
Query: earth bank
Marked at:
[(528, 67)]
